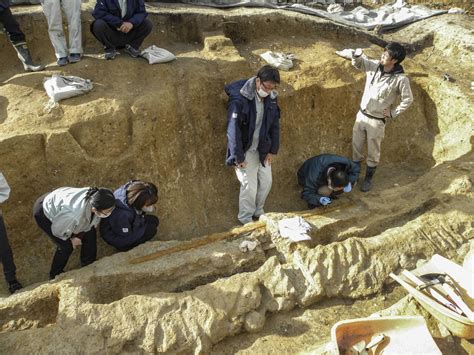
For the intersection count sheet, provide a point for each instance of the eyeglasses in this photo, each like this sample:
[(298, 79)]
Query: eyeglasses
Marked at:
[(266, 87)]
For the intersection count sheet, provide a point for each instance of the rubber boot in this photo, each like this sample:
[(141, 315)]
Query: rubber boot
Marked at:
[(25, 57), (369, 174)]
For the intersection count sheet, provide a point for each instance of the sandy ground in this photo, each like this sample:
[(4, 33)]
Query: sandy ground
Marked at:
[(169, 129)]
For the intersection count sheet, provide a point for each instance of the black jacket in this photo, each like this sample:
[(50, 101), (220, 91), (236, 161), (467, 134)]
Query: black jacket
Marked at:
[(312, 174)]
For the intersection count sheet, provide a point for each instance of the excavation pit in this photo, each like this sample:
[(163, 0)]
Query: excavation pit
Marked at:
[(166, 124)]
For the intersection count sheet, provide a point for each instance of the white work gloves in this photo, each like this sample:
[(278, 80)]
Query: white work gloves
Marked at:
[(347, 188)]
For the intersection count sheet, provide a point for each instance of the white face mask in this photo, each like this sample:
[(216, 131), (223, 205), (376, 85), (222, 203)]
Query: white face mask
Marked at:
[(148, 209), (262, 93)]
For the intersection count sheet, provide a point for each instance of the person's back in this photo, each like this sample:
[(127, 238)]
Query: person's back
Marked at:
[(69, 217), (325, 176)]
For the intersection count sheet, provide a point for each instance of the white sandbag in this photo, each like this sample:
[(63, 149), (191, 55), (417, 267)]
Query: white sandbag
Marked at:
[(278, 60), (60, 87), (155, 55)]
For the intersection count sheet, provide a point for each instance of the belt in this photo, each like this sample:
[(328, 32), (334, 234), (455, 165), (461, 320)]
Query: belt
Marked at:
[(370, 116)]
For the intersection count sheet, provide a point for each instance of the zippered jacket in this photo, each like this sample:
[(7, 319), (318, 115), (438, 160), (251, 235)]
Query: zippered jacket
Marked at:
[(382, 89), (241, 120)]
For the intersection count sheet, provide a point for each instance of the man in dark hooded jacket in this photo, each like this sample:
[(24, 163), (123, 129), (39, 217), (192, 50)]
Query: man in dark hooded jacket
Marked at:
[(16, 37), (325, 176), (253, 137)]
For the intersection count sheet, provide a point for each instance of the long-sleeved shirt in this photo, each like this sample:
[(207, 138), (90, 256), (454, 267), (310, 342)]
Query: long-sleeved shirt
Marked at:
[(69, 212), (382, 89)]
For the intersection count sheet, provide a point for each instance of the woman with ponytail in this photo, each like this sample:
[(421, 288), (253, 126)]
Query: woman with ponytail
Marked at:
[(130, 224), (70, 216)]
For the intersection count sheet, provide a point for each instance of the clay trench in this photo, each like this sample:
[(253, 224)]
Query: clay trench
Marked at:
[(166, 124)]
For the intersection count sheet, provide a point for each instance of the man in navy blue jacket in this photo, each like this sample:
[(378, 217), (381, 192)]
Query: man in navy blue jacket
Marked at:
[(253, 135), (325, 176), (121, 24)]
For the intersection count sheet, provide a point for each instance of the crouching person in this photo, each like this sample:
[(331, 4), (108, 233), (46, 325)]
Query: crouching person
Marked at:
[(121, 24), (325, 176), (130, 224), (70, 216)]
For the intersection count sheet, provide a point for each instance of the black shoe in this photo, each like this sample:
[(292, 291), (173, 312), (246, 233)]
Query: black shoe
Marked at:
[(255, 218), (14, 286), (110, 53), (134, 53), (366, 186), (62, 61), (369, 174), (25, 57), (75, 57)]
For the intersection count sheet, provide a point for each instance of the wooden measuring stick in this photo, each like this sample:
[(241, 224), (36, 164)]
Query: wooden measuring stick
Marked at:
[(195, 243), (200, 242)]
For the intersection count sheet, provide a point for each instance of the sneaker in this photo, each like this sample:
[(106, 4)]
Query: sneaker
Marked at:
[(62, 61), (75, 57), (110, 53), (14, 286), (134, 53)]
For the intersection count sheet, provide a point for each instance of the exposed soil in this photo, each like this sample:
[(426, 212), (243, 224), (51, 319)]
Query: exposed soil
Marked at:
[(166, 124)]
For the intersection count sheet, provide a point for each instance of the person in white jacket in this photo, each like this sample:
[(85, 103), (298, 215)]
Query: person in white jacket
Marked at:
[(386, 81), (6, 255), (70, 216)]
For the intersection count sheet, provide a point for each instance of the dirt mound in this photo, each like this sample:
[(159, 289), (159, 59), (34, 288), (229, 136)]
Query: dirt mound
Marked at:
[(166, 124)]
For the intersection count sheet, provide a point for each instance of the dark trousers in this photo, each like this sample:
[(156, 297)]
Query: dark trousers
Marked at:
[(64, 247), (151, 228), (6, 255), (11, 26), (111, 38)]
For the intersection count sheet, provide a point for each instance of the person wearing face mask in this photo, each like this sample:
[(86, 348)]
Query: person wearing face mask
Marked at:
[(131, 223), (253, 138), (325, 176), (69, 216)]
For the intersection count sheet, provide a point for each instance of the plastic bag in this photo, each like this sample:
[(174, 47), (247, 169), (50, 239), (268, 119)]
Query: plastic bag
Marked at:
[(279, 60), (60, 87), (155, 55)]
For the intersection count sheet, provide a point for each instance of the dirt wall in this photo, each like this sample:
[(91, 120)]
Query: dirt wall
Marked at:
[(166, 123)]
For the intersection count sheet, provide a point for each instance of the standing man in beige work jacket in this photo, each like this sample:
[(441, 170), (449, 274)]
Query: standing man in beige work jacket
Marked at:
[(386, 81)]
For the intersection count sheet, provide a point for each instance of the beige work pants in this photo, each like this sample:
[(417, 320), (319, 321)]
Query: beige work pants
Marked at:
[(371, 131), (72, 10), (255, 185)]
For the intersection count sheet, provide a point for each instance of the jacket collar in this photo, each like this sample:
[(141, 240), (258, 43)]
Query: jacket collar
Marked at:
[(397, 69), (249, 88)]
